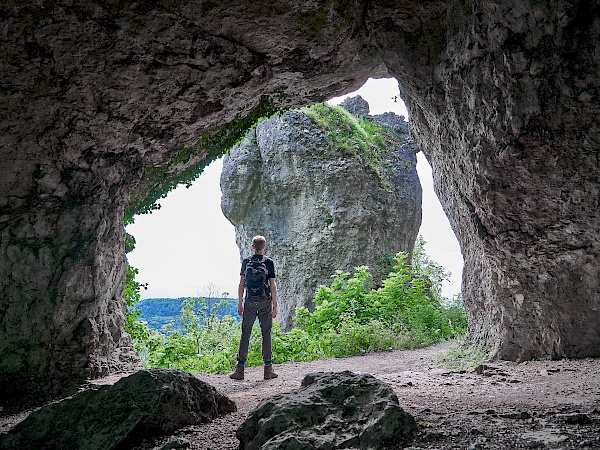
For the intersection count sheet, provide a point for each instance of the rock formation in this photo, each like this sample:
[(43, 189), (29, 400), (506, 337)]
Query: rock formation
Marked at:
[(103, 105), (509, 122), (319, 213), (333, 410), (148, 403)]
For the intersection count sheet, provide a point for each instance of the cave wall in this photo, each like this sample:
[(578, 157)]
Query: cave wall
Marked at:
[(508, 118), (102, 102)]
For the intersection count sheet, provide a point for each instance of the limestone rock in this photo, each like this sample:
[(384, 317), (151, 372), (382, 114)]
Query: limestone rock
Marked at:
[(104, 104), (393, 122), (330, 410), (510, 126), (356, 105), (319, 214), (148, 403)]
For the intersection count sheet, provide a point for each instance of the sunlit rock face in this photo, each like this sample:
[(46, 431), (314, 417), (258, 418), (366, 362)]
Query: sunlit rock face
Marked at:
[(102, 101), (318, 213)]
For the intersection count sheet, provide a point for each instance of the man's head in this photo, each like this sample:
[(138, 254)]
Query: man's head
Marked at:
[(259, 243)]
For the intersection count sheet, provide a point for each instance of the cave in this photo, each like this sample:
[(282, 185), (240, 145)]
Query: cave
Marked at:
[(107, 104)]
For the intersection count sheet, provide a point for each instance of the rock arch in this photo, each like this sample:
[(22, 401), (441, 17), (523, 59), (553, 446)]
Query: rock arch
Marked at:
[(104, 102)]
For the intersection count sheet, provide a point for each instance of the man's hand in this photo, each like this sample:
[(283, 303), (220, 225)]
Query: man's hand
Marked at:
[(274, 311), (240, 309)]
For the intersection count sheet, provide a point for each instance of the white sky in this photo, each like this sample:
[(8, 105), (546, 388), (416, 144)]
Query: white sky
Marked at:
[(187, 248)]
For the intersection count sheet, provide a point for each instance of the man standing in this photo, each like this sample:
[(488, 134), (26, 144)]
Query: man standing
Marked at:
[(257, 279)]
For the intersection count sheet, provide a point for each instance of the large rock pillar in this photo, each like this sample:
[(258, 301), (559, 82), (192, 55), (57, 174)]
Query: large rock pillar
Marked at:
[(320, 208)]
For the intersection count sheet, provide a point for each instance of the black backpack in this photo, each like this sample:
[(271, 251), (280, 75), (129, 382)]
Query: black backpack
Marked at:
[(256, 276)]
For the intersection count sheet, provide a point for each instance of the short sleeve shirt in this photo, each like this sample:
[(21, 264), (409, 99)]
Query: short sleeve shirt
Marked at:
[(268, 263)]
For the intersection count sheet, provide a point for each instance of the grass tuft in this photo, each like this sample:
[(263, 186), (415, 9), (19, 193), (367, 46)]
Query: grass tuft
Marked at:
[(464, 354)]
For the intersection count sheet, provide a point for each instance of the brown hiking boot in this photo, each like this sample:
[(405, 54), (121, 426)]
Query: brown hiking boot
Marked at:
[(269, 373), (238, 373)]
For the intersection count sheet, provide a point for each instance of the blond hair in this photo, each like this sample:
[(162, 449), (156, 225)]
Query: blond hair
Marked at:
[(259, 243)]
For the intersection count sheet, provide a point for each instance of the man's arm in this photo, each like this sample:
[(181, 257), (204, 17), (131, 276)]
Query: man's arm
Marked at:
[(241, 295), (273, 286)]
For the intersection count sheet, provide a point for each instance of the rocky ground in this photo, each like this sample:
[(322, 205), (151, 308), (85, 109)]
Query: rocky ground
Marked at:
[(501, 405)]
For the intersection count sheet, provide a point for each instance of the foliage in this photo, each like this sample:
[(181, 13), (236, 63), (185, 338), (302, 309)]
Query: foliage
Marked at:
[(131, 295), (346, 298), (129, 243), (406, 303), (351, 317), (423, 266), (159, 312), (350, 339), (455, 311), (205, 345), (349, 135)]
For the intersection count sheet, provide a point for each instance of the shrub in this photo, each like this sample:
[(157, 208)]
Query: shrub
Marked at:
[(406, 303), (351, 317), (137, 329)]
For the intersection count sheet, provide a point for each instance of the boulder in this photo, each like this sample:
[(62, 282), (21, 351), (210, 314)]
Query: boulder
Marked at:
[(320, 209), (331, 410), (356, 105), (148, 403)]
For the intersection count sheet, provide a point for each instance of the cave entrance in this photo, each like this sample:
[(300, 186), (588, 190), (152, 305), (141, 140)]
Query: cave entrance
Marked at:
[(187, 248)]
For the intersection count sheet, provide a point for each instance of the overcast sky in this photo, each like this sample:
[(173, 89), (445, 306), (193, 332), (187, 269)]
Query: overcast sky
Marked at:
[(187, 248)]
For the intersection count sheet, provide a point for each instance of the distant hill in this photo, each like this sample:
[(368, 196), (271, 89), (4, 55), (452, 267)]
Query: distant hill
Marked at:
[(163, 311)]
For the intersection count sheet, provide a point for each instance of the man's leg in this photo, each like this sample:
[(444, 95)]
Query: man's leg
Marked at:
[(247, 322), (248, 319), (265, 319)]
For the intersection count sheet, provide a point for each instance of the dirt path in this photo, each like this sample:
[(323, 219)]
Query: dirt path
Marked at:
[(546, 404)]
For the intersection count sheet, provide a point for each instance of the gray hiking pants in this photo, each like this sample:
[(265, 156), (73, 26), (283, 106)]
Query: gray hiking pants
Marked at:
[(262, 308)]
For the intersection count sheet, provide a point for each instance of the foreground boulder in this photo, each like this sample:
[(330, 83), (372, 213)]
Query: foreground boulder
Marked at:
[(148, 403), (332, 410), (321, 209)]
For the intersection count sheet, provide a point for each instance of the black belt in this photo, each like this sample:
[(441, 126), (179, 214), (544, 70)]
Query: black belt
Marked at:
[(257, 299)]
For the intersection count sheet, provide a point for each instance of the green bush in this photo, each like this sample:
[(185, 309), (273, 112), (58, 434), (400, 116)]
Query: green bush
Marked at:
[(346, 297), (464, 354), (406, 302), (208, 343), (131, 294)]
